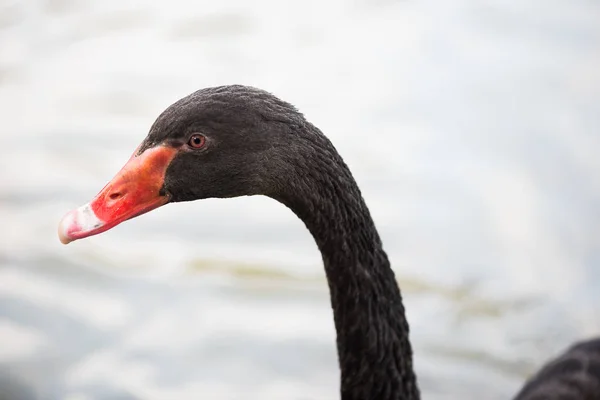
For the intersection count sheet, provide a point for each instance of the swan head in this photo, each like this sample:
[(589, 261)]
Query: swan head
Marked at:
[(219, 142)]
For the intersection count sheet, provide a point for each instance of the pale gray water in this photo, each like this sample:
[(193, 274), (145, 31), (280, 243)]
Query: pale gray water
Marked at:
[(473, 128)]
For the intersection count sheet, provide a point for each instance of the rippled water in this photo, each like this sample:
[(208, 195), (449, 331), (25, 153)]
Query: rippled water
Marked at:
[(472, 127)]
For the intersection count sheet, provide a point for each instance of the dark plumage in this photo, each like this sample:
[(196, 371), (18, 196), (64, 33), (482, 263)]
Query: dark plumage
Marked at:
[(262, 145), (574, 375), (256, 144)]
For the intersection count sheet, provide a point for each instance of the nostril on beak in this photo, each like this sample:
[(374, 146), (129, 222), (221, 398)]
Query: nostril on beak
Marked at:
[(115, 195)]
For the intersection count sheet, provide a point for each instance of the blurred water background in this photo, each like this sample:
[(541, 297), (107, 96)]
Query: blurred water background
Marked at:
[(472, 127)]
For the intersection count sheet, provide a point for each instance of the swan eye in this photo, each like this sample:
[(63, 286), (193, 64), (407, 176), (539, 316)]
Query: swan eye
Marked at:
[(197, 141)]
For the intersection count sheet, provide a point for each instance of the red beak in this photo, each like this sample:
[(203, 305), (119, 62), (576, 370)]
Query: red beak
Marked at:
[(135, 190)]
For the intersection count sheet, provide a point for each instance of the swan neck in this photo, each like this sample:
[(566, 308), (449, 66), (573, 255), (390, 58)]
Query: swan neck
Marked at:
[(374, 350)]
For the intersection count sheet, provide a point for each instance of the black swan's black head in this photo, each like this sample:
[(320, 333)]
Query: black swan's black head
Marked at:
[(225, 141)]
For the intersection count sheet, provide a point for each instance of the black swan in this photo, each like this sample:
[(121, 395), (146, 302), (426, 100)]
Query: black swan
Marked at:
[(234, 141)]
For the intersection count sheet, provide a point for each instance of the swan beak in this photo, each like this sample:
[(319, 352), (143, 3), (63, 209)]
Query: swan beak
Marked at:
[(135, 190)]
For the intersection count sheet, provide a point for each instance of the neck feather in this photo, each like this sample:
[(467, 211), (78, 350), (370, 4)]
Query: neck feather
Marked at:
[(374, 350)]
